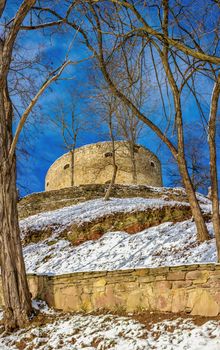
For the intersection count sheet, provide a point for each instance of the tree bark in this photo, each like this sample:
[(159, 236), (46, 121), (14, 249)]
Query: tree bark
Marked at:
[(213, 167), (115, 167), (133, 163), (108, 192), (72, 166), (202, 231), (17, 298)]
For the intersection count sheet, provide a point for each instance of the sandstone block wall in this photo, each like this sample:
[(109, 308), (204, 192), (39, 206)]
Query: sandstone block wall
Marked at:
[(194, 289), (93, 165)]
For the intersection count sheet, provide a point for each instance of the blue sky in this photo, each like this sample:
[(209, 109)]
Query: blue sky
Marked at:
[(42, 140)]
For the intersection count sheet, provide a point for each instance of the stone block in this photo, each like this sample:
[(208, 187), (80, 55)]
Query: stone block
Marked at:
[(198, 277), (161, 286), (141, 272), (179, 300), (205, 305), (181, 284), (134, 301), (99, 284), (193, 275), (163, 301), (160, 278), (146, 279), (106, 300), (216, 296), (176, 276), (86, 303)]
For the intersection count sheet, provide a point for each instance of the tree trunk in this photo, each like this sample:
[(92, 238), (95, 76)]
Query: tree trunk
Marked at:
[(202, 232), (72, 166), (133, 163), (108, 192), (115, 167), (213, 167), (17, 298)]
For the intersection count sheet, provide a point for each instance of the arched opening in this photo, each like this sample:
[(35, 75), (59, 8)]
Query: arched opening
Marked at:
[(108, 154), (66, 166), (152, 164)]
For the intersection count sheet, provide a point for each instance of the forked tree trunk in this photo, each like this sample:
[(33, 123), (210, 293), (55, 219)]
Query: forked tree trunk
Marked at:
[(202, 231), (17, 298)]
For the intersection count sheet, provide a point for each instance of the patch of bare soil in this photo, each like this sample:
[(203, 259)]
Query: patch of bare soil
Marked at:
[(151, 318)]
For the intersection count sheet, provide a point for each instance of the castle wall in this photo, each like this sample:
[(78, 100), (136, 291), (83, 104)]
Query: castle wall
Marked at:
[(93, 165)]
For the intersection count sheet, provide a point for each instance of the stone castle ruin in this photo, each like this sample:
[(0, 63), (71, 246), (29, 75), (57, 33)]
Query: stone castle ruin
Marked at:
[(93, 165)]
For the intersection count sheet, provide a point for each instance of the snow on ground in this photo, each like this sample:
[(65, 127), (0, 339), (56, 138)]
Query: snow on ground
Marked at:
[(89, 211), (102, 332), (165, 245)]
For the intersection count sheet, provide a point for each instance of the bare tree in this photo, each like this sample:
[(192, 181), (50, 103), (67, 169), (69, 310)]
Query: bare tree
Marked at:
[(16, 294), (213, 161), (130, 129), (109, 117), (70, 124), (176, 52), (104, 106), (103, 54)]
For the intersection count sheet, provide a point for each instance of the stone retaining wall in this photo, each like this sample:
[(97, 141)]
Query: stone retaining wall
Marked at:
[(194, 289), (56, 199)]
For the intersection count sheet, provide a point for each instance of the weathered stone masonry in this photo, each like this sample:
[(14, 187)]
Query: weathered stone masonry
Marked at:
[(194, 289), (56, 199), (93, 165)]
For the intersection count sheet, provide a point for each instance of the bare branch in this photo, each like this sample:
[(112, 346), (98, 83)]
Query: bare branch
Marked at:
[(162, 37), (54, 77)]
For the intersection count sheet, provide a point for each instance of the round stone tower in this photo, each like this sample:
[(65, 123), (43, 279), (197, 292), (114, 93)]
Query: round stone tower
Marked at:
[(93, 165)]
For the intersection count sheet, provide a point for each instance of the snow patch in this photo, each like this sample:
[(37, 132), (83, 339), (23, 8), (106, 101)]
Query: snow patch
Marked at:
[(89, 332), (165, 245)]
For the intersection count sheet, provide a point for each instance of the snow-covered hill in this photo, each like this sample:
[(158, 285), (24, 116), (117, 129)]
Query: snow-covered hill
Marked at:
[(161, 245), (165, 244)]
